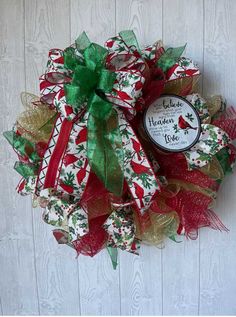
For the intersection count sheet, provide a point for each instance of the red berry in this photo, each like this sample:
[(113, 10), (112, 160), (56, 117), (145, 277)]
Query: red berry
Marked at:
[(110, 44)]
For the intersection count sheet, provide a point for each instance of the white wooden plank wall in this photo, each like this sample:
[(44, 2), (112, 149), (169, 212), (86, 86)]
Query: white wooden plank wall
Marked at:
[(39, 277)]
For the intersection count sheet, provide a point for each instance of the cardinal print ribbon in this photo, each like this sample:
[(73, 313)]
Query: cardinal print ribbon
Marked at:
[(92, 131)]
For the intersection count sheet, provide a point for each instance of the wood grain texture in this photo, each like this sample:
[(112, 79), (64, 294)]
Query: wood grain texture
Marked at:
[(96, 18), (18, 289), (1, 310), (144, 17), (40, 277), (141, 278), (99, 286), (99, 283), (141, 282), (182, 23), (217, 253), (181, 277), (47, 25)]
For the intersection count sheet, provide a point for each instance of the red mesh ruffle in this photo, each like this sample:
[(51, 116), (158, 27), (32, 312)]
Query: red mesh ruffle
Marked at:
[(94, 241), (194, 213)]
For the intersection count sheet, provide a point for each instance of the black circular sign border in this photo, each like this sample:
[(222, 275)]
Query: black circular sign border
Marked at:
[(162, 147)]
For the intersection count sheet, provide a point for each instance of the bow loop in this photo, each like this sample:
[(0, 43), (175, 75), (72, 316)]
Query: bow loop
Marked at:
[(106, 80), (90, 84), (82, 42), (89, 77), (71, 58), (99, 108), (130, 39), (102, 83), (95, 56)]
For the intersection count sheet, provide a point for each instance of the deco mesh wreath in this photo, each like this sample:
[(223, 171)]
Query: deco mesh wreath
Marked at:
[(91, 147)]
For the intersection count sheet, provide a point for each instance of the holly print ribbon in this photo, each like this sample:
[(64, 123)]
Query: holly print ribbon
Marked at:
[(212, 138), (26, 185), (67, 216), (121, 230), (211, 141)]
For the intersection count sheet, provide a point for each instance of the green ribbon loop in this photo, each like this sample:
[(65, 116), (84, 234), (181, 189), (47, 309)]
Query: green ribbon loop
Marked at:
[(99, 108), (71, 59), (82, 42), (104, 144), (95, 57), (22, 146), (170, 57), (90, 83), (224, 160), (73, 96), (25, 170), (130, 39), (106, 80)]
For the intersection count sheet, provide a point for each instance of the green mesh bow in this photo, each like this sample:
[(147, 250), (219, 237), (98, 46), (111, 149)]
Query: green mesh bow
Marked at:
[(91, 81)]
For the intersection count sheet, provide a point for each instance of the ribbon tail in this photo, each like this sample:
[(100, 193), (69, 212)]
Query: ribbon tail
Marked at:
[(22, 146), (113, 253), (65, 165), (140, 177), (70, 218), (121, 230), (104, 150)]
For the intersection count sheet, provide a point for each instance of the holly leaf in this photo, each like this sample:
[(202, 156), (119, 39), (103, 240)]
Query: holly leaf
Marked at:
[(117, 223), (175, 127), (184, 62), (125, 83), (72, 230), (118, 236), (83, 225), (59, 210), (69, 179), (125, 133), (80, 148), (189, 116), (145, 181)]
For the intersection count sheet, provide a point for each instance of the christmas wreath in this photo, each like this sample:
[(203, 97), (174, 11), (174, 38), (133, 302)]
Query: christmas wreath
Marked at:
[(120, 148)]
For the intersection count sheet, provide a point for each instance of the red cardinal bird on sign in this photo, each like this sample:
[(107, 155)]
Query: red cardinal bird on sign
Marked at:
[(184, 124), (82, 173), (82, 136), (140, 169), (136, 147), (139, 192)]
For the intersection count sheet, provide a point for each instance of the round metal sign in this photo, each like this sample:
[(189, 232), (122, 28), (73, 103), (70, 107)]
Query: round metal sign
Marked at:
[(172, 123)]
